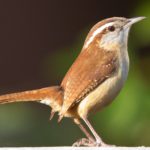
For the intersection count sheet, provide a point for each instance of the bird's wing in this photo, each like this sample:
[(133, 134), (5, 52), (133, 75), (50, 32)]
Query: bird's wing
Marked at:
[(89, 70)]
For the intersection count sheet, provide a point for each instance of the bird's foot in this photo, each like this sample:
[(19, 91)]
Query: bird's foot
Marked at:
[(90, 143), (83, 142)]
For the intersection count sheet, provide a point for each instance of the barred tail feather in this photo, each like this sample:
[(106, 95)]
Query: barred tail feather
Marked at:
[(51, 96)]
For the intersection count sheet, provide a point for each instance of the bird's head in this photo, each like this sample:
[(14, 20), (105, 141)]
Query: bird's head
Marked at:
[(110, 32)]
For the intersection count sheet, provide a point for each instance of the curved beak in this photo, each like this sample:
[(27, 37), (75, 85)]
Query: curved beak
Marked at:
[(131, 21)]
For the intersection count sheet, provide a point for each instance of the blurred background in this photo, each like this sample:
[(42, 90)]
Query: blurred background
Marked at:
[(39, 40)]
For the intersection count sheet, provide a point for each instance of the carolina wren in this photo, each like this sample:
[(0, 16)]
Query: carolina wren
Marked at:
[(92, 82)]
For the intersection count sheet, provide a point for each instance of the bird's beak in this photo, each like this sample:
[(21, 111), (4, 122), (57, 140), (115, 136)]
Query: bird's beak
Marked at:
[(131, 21)]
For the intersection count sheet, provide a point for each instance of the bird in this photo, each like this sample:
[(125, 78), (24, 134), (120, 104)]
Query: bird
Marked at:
[(93, 81)]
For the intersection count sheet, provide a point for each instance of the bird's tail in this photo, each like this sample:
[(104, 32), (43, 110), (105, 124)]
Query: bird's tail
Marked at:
[(52, 96)]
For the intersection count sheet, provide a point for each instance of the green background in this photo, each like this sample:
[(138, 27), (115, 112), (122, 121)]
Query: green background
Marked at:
[(125, 122)]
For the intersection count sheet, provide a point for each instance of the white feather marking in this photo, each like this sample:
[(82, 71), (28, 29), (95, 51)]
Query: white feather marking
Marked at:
[(100, 29), (52, 103), (46, 101)]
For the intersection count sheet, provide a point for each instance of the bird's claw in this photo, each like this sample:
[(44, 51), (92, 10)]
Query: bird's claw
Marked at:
[(83, 142), (89, 143)]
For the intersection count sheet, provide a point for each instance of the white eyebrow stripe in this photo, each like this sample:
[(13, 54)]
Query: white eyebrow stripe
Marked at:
[(97, 32)]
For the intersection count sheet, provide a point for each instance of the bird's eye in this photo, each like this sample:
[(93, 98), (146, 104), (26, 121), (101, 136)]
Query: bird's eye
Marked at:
[(111, 28)]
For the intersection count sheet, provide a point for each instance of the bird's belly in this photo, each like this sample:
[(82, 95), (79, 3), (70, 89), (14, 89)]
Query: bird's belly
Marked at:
[(103, 94)]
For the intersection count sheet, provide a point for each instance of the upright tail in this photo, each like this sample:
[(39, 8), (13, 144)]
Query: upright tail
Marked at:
[(52, 96)]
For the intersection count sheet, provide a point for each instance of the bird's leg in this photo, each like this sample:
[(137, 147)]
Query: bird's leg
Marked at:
[(98, 141), (84, 141), (88, 135)]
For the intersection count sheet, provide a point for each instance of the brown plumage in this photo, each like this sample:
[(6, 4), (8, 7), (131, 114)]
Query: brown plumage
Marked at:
[(85, 76), (54, 93), (94, 79)]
